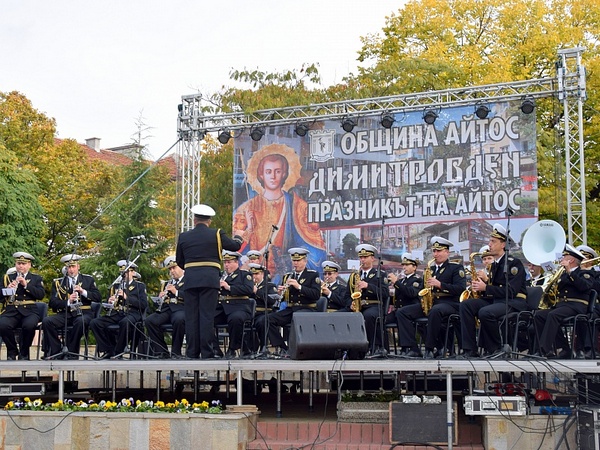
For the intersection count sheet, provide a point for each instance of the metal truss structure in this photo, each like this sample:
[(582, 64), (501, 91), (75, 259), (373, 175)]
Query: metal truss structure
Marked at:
[(568, 87)]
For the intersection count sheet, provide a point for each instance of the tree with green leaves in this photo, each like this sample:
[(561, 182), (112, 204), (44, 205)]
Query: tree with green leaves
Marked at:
[(21, 216)]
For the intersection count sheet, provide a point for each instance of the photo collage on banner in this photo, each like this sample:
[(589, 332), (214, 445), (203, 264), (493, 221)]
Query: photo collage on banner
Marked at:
[(393, 188)]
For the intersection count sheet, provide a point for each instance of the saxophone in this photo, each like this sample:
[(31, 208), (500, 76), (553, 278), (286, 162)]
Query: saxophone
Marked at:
[(426, 294), (469, 292), (355, 292)]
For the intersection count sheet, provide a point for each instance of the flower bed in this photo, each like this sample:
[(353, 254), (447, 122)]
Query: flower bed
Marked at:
[(125, 405), (125, 425)]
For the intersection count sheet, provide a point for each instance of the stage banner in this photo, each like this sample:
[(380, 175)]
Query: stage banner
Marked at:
[(393, 188)]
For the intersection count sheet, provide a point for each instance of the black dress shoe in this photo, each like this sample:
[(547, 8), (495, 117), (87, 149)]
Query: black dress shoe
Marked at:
[(24, 357), (414, 354), (564, 354), (429, 355), (469, 354), (580, 354), (231, 354), (219, 354), (550, 355), (11, 358)]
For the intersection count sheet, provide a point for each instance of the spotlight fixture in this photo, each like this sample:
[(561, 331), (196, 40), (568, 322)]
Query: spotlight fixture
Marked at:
[(482, 111), (430, 116), (256, 133), (527, 106), (224, 136), (348, 124), (301, 129), (387, 120)]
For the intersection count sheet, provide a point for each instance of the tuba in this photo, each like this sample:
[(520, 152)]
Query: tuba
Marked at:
[(469, 292), (542, 242), (426, 294), (355, 292)]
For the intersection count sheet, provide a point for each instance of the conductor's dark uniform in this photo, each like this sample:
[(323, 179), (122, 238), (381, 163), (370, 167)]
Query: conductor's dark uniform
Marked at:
[(199, 254)]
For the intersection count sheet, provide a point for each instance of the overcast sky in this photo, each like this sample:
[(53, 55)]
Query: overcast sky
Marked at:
[(97, 66)]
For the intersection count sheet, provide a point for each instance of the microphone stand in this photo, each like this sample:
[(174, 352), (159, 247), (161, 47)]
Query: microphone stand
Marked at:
[(128, 349), (65, 353), (506, 348), (383, 352), (263, 352)]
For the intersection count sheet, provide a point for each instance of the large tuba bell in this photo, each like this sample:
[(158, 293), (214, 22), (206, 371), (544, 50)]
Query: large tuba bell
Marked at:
[(544, 242)]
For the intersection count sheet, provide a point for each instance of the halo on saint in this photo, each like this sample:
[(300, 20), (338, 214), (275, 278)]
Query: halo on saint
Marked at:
[(287, 152)]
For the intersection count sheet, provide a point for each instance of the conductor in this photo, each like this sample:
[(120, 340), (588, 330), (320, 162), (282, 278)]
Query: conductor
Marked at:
[(199, 254)]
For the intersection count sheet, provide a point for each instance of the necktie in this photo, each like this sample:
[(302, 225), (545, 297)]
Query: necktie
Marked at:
[(364, 276)]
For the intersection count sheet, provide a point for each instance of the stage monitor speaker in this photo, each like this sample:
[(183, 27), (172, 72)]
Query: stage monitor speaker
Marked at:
[(322, 335)]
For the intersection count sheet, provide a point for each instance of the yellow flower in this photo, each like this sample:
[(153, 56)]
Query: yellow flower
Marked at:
[(26, 400), (138, 402), (204, 404), (184, 402), (9, 405), (160, 404)]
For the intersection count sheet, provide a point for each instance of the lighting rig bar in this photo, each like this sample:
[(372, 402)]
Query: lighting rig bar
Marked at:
[(192, 121)]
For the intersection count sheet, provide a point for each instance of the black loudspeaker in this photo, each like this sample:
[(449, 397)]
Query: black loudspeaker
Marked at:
[(322, 335)]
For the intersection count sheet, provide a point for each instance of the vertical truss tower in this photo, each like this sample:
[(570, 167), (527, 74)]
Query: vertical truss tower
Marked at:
[(568, 87)]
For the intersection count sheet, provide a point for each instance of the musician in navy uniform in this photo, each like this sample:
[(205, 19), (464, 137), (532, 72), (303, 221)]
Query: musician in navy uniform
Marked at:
[(20, 291), (572, 295), (375, 293), (301, 289), (491, 307), (405, 289), (265, 295), (129, 300), (332, 290), (170, 310), (199, 254), (71, 300), (234, 308), (447, 282)]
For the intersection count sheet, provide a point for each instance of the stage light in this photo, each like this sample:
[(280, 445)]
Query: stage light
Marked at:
[(256, 133), (430, 116), (527, 106), (301, 129), (224, 136), (482, 111), (348, 124), (387, 120)]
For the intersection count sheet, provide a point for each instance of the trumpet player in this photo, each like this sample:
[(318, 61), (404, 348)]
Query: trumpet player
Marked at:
[(447, 282), (129, 300), (375, 293), (332, 291), (234, 308), (491, 306), (266, 297), (20, 292), (302, 288), (71, 298), (171, 311)]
